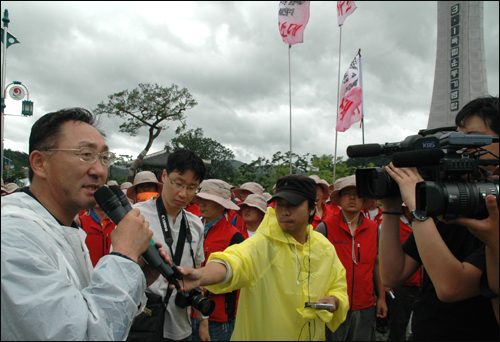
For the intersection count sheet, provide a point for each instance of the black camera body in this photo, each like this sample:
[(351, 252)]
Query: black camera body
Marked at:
[(443, 157), (195, 299)]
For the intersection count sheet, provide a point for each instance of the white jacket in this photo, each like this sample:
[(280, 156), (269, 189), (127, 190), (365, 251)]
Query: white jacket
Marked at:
[(49, 289)]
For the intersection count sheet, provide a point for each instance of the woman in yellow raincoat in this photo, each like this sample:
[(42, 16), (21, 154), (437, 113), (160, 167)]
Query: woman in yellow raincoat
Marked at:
[(283, 266)]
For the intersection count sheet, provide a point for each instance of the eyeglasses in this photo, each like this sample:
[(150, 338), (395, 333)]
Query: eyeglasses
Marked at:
[(90, 155), (179, 186)]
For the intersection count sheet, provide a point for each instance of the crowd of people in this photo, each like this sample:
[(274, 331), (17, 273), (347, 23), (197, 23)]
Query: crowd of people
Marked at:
[(305, 261)]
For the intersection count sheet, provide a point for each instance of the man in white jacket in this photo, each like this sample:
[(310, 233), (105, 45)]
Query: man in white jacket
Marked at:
[(49, 289)]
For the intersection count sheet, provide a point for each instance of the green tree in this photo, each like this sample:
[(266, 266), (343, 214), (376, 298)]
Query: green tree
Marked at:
[(148, 105), (220, 157)]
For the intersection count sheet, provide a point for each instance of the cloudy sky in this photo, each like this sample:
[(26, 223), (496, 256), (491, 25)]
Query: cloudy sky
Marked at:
[(231, 58)]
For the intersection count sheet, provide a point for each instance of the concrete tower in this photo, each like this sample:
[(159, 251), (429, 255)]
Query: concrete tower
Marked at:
[(460, 74)]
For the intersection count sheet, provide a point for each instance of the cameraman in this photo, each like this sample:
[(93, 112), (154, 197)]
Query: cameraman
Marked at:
[(450, 305)]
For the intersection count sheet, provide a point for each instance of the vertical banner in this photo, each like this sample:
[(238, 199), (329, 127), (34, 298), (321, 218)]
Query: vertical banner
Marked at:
[(351, 96), (344, 9), (293, 17)]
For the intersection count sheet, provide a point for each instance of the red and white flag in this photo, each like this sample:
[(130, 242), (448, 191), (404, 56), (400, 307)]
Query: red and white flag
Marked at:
[(351, 96), (292, 20), (344, 9)]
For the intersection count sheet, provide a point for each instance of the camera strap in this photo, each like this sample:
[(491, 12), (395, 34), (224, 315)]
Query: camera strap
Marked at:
[(184, 234)]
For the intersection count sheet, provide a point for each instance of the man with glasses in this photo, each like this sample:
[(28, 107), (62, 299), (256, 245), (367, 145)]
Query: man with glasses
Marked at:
[(50, 291), (180, 231)]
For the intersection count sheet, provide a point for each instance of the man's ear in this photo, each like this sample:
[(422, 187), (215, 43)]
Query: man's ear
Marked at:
[(164, 176), (37, 162)]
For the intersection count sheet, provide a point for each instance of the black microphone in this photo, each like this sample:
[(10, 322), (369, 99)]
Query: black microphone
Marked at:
[(365, 150), (418, 158), (111, 205), (121, 197)]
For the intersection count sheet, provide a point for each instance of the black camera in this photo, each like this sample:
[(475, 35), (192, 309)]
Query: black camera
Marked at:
[(195, 299), (443, 157)]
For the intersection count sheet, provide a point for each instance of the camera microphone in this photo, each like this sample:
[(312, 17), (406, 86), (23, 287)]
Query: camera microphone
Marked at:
[(113, 207), (417, 158), (365, 150)]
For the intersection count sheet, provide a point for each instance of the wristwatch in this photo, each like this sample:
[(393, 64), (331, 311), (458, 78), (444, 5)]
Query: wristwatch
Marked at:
[(415, 216)]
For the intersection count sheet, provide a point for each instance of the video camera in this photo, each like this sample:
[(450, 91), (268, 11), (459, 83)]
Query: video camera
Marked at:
[(443, 157)]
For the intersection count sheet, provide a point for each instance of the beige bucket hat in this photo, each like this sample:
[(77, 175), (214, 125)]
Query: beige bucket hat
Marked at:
[(112, 182), (140, 178), (343, 183), (324, 184), (254, 188), (267, 196), (254, 201), (218, 191), (125, 185), (9, 188)]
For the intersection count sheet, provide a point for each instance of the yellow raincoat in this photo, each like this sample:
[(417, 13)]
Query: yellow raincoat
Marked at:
[(276, 279)]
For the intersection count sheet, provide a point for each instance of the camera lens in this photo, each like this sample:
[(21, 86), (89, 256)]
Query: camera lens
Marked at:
[(375, 183), (452, 200), (204, 305)]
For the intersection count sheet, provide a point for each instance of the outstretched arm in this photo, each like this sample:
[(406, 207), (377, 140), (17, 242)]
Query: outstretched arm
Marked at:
[(213, 273)]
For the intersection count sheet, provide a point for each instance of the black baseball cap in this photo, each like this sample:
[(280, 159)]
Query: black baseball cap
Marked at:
[(295, 189)]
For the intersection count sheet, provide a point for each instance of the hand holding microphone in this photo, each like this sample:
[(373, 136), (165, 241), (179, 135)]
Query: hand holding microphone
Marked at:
[(133, 237)]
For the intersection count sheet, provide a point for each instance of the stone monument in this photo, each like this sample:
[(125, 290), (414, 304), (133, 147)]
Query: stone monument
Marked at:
[(460, 74)]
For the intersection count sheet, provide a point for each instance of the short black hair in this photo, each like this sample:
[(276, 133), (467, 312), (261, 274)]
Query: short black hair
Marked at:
[(46, 131), (484, 107), (184, 160)]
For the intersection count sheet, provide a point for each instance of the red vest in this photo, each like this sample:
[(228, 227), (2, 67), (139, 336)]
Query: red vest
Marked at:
[(334, 209), (218, 239), (326, 213), (98, 238), (363, 248)]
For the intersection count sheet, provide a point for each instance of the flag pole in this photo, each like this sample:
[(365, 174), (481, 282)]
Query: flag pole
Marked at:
[(338, 94), (290, 96), (362, 95)]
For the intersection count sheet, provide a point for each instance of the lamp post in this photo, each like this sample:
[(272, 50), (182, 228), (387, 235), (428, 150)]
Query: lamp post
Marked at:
[(7, 40)]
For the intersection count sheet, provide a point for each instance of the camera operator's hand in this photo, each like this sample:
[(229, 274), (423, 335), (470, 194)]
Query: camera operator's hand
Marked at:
[(132, 236), (486, 230), (407, 179)]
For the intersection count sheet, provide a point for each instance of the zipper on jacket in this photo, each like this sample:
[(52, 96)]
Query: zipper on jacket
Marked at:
[(359, 253)]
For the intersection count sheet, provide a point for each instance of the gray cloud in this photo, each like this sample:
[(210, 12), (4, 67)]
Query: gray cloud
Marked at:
[(231, 58)]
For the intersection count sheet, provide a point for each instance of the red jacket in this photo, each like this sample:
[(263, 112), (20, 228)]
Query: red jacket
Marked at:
[(326, 213), (98, 238), (363, 248), (219, 237), (404, 231), (193, 209), (334, 209)]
